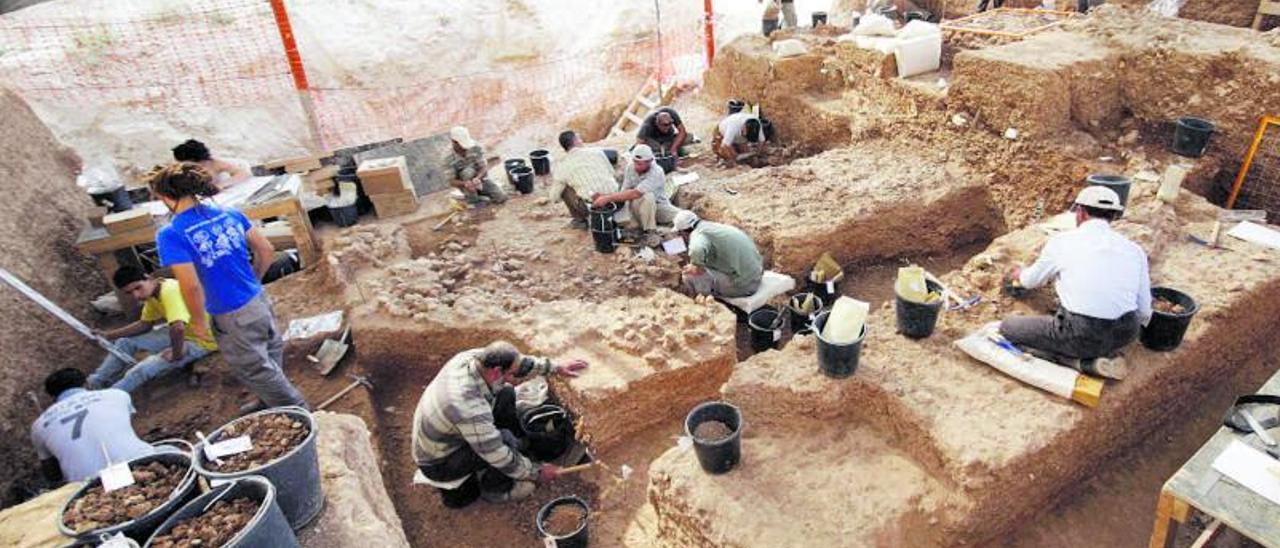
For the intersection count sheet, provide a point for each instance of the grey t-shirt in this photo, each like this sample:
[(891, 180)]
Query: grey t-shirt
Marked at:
[(652, 182), (81, 424)]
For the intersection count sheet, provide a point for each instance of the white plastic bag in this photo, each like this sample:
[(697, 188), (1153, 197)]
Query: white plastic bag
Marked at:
[(789, 48), (874, 24), (918, 28), (99, 178)]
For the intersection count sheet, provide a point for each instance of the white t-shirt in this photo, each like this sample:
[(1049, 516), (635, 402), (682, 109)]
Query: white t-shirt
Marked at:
[(1101, 274), (80, 425), (733, 129)]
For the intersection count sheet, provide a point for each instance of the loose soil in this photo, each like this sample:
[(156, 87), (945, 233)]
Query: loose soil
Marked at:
[(564, 520), (213, 528), (712, 431), (97, 509), (1168, 307), (273, 436)]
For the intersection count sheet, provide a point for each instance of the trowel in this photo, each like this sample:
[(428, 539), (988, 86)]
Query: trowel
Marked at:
[(331, 353)]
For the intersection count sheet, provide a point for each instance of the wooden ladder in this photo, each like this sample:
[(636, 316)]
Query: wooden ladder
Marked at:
[(1265, 7), (648, 98)]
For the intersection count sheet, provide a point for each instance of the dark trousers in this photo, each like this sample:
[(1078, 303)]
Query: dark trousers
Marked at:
[(1068, 338), (465, 461), (982, 4), (575, 204)]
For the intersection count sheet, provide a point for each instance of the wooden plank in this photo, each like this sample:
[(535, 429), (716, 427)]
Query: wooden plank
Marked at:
[(636, 119), (647, 102), (1210, 533)]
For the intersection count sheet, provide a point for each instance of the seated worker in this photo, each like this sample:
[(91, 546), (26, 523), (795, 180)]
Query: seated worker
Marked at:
[(723, 261), (582, 173), (663, 132), (466, 423), (645, 195), (738, 136), (171, 349), (1103, 286), (225, 172), (470, 170), (769, 19), (75, 436)]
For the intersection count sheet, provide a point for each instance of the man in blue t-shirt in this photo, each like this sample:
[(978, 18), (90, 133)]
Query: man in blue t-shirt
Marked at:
[(218, 258)]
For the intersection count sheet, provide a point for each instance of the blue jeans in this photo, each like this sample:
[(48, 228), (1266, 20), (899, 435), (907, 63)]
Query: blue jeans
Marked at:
[(151, 367)]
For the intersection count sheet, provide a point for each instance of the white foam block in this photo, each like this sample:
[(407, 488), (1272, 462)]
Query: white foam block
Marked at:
[(772, 284)]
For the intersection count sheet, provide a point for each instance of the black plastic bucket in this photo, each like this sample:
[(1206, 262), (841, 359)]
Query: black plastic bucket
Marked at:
[(765, 325), (548, 430), (819, 18), (296, 475), (140, 528), (268, 528), (1191, 136), (541, 161), (917, 320), (736, 106), (719, 456), (577, 539), (604, 229), (667, 162), (837, 360), (522, 179), (510, 165), (801, 321), (116, 200), (346, 215), (1119, 183), (1165, 331), (827, 291)]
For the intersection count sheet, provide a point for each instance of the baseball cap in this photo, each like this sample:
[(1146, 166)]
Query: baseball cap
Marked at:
[(1099, 197), (685, 220), (642, 153), (461, 136)]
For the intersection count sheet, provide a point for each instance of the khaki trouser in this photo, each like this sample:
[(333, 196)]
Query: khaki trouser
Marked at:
[(789, 14), (577, 207), (648, 214), (718, 284), (251, 346), (488, 189)]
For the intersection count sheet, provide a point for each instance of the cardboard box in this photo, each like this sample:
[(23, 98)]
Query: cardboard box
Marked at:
[(326, 172), (126, 221), (301, 164), (385, 176), (394, 204)]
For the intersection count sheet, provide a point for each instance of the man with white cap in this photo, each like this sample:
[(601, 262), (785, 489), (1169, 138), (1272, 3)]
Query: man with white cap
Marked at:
[(645, 195), (723, 261), (1103, 286), (470, 170)]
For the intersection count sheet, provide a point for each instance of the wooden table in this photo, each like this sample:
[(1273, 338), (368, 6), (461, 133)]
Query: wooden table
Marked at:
[(1197, 485), (101, 244)]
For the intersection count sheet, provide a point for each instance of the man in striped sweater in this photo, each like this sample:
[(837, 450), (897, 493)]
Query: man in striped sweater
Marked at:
[(466, 424)]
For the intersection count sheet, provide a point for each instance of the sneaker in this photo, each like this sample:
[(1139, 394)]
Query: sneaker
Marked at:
[(1112, 368), (520, 490), (578, 224)]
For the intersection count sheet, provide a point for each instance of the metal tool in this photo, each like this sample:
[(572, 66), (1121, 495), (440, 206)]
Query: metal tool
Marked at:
[(359, 380), (331, 353), (63, 315), (1257, 427)]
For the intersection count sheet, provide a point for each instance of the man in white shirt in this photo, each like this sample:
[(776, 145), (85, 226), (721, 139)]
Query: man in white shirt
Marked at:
[(76, 436), (740, 135), (1103, 286), (644, 191), (583, 172)]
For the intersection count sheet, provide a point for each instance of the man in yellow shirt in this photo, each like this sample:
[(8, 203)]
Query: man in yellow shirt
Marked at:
[(170, 349)]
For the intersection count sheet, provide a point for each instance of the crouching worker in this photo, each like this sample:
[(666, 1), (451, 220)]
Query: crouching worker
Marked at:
[(740, 136), (171, 349), (644, 191), (470, 171), (84, 431), (582, 173), (723, 261), (1103, 286), (466, 426)]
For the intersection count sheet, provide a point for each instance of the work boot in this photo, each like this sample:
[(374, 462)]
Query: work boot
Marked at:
[(520, 490), (1112, 368)]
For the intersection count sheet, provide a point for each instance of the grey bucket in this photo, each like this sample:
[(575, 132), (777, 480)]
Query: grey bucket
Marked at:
[(1119, 183), (296, 475), (267, 529), (837, 360), (138, 529)]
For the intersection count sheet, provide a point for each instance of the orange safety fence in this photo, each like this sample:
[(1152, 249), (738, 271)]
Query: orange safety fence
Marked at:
[(229, 53)]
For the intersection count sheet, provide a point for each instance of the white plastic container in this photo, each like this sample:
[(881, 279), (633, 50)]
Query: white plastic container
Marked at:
[(1171, 182), (918, 54)]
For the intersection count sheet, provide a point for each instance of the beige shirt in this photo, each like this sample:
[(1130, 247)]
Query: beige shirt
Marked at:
[(587, 171)]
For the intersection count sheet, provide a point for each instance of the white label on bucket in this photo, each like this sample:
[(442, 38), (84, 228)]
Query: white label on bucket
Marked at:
[(118, 541), (777, 335), (218, 482), (831, 287), (548, 542), (684, 442), (227, 448), (116, 476)]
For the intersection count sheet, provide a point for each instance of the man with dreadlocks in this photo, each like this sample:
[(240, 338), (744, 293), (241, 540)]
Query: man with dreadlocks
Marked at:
[(210, 250)]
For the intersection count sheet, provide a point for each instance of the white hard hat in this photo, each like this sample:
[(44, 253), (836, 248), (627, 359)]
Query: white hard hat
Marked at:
[(685, 220), (642, 153), (1100, 197), (461, 136)]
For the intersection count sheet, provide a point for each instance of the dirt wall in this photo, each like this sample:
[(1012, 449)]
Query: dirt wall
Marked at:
[(41, 215)]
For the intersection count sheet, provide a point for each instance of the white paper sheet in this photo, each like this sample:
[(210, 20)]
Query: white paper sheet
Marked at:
[(227, 448), (681, 179), (1257, 234), (303, 328), (674, 246), (1251, 468)]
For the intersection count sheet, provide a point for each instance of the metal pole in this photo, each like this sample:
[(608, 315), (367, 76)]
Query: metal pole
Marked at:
[(63, 315), (298, 71), (709, 16)]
